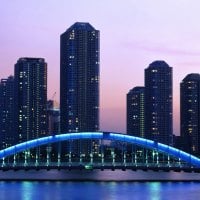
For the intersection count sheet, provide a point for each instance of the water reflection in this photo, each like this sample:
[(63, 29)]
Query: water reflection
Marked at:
[(27, 188), (155, 190), (99, 190)]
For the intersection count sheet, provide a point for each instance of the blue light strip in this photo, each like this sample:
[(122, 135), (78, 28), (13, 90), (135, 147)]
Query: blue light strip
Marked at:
[(106, 136)]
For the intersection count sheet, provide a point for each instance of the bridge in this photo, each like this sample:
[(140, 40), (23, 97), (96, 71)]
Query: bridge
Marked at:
[(96, 150)]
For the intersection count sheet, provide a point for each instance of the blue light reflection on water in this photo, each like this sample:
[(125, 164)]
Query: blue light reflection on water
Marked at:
[(155, 189), (99, 190)]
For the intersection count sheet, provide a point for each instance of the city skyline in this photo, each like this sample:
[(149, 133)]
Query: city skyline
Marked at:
[(135, 43)]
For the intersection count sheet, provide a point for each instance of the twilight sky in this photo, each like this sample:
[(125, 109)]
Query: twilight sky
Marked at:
[(133, 33)]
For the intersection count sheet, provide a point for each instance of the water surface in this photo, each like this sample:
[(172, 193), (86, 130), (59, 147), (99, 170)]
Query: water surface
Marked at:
[(27, 190)]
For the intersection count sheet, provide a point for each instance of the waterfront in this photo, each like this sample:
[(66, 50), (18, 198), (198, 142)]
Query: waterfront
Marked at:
[(26, 190), (97, 175)]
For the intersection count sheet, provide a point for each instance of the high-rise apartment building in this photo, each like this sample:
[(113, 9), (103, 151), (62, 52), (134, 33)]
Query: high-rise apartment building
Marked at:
[(53, 114), (79, 79), (190, 113), (158, 102), (30, 98), (7, 131), (135, 112)]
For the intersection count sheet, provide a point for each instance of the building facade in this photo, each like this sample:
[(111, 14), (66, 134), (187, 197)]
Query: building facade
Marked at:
[(158, 102), (190, 113), (53, 114), (135, 111), (79, 79), (31, 98), (7, 112)]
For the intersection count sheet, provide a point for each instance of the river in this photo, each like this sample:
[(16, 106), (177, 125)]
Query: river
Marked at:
[(27, 190), (97, 185)]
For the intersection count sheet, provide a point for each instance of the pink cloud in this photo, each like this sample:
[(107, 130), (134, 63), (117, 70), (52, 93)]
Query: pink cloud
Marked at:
[(159, 48)]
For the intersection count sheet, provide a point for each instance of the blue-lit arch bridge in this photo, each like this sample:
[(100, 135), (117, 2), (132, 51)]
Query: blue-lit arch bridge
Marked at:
[(96, 150)]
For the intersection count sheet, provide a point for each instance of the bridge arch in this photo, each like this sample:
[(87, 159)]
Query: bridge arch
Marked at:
[(190, 159)]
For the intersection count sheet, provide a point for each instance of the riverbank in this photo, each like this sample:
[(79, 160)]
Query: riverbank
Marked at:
[(97, 175)]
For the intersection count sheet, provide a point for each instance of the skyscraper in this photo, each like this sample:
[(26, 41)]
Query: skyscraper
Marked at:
[(31, 98), (79, 79), (53, 114), (7, 130), (190, 113), (158, 102), (135, 112)]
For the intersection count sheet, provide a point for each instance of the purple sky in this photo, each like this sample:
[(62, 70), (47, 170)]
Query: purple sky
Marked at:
[(133, 34)]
